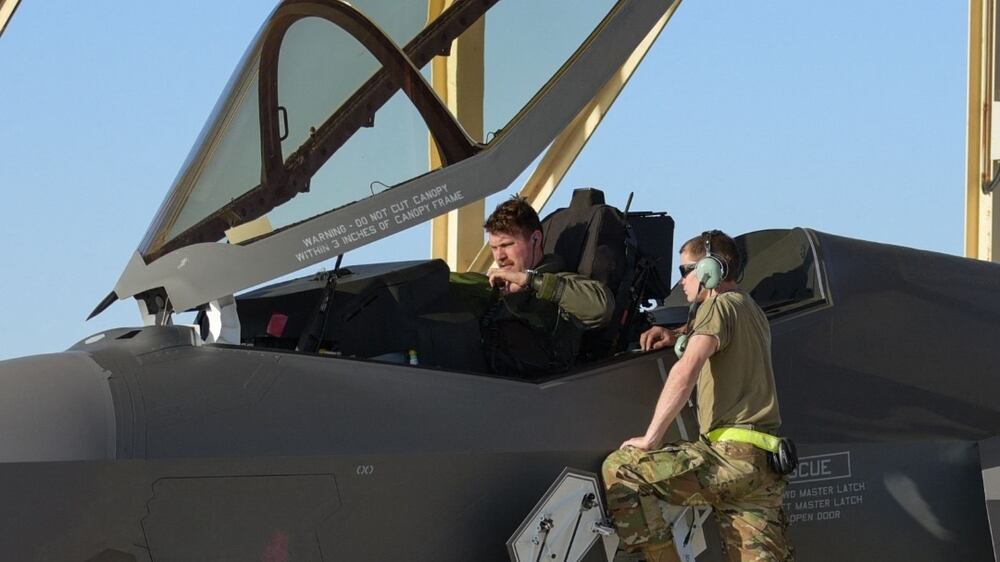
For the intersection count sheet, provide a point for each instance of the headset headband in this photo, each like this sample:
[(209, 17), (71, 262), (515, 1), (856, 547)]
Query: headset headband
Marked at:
[(706, 238)]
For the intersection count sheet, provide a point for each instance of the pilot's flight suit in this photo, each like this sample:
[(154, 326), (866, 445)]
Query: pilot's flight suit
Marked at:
[(735, 389), (537, 331)]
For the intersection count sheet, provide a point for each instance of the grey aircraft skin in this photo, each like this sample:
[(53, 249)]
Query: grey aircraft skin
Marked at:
[(162, 443), (147, 444)]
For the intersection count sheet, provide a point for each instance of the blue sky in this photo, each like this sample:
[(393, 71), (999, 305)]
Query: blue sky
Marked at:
[(847, 117)]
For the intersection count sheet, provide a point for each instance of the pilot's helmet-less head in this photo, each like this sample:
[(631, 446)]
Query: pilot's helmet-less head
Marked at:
[(515, 235)]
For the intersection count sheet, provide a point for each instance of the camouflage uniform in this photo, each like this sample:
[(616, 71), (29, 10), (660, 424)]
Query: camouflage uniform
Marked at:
[(733, 478), (735, 388)]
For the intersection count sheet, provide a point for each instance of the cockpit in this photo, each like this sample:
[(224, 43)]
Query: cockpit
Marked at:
[(416, 312), (413, 312)]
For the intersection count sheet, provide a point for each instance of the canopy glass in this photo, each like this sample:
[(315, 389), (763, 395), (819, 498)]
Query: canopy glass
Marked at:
[(346, 130)]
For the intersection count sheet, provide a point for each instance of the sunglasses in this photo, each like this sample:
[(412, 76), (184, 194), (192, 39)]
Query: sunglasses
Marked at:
[(685, 269)]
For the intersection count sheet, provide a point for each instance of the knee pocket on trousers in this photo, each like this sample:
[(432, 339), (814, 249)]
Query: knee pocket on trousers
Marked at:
[(756, 521), (761, 538)]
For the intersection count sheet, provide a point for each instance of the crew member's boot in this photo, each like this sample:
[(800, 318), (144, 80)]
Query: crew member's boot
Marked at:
[(661, 553)]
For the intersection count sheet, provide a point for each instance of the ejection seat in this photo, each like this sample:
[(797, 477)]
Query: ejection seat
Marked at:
[(590, 236), (599, 241)]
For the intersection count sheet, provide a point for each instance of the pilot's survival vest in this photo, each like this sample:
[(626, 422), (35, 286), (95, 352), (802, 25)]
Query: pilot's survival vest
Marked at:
[(523, 335)]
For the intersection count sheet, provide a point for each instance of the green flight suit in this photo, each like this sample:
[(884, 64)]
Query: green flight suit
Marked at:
[(538, 331)]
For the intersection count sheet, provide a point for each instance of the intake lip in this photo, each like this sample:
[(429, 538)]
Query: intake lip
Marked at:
[(55, 407)]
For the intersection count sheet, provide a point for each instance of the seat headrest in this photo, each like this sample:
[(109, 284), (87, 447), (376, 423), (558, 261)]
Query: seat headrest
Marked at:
[(590, 236), (586, 197)]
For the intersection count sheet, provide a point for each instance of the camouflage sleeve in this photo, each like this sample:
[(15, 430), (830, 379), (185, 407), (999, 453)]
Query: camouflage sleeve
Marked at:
[(589, 301)]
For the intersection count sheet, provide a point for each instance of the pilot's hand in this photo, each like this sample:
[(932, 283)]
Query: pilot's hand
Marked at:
[(507, 281), (656, 337), (644, 443)]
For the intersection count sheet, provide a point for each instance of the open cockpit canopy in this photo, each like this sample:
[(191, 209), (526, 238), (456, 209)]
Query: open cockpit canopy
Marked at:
[(322, 139)]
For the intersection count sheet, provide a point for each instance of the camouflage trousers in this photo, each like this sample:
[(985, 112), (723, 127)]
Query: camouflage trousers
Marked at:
[(733, 478)]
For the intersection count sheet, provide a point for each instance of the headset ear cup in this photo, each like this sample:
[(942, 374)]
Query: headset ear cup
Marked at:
[(680, 345), (708, 271)]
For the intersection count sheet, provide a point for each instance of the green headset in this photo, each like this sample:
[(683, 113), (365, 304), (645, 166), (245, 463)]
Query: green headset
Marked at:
[(709, 271)]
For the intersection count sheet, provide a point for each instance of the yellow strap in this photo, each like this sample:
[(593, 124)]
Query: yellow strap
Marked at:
[(749, 436)]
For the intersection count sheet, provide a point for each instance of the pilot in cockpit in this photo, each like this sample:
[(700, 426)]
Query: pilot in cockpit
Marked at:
[(533, 311)]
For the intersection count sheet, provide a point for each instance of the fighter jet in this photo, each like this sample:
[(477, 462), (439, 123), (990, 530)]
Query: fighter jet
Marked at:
[(347, 414)]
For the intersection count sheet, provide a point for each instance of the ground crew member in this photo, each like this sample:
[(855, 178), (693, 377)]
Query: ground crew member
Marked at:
[(537, 311), (728, 357)]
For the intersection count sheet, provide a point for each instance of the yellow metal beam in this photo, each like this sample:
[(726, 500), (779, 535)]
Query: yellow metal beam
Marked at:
[(7, 8), (458, 80), (568, 145), (980, 204), (249, 230)]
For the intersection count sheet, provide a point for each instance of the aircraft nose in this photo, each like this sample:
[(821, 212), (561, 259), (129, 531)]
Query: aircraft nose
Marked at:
[(55, 407)]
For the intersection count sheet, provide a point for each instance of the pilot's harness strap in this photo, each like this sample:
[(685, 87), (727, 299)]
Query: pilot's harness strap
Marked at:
[(764, 441)]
